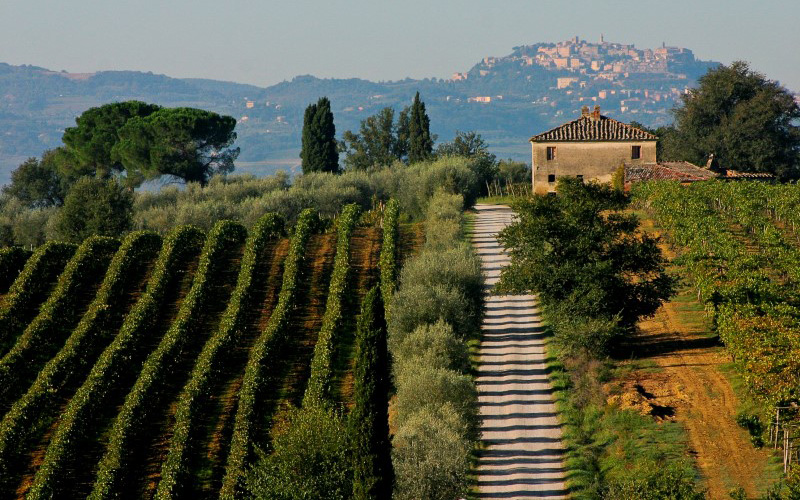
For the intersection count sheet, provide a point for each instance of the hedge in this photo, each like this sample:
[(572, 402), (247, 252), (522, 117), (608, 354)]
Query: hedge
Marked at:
[(72, 361), (12, 260), (276, 330), (174, 470), (116, 358), (319, 383), (57, 317), (30, 288), (438, 303), (388, 259)]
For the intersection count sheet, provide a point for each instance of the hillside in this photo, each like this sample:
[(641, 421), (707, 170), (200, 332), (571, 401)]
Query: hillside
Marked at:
[(506, 99)]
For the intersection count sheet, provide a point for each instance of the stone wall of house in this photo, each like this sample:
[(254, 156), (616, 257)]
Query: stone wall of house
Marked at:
[(597, 160)]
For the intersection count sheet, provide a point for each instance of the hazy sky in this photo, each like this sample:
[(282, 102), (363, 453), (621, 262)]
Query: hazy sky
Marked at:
[(264, 42)]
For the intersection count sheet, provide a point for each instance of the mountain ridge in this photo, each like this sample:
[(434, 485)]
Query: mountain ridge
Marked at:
[(506, 99)]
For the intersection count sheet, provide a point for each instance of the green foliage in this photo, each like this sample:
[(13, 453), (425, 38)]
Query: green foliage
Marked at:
[(95, 207), (319, 150), (420, 141), (753, 297), (431, 455), (193, 397), (311, 459), (30, 288), (250, 394), (318, 388), (57, 316), (748, 122), (583, 257), (752, 424), (38, 183), (432, 345), (471, 145), (39, 402), (368, 421), (66, 441), (443, 282), (90, 144), (24, 226), (114, 364), (435, 309), (513, 172), (387, 263), (656, 482), (185, 143), (376, 144), (47, 331), (618, 179), (12, 261)]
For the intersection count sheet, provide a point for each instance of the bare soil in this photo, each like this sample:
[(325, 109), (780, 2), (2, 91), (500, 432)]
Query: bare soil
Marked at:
[(49, 420), (210, 454), (365, 249), (689, 387)]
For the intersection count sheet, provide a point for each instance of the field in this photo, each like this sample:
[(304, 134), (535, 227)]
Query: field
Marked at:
[(156, 366)]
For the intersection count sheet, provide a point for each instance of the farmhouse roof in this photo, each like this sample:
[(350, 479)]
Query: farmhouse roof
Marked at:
[(668, 170), (594, 127)]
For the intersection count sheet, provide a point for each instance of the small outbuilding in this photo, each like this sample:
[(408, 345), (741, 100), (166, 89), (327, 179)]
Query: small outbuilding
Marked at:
[(593, 147)]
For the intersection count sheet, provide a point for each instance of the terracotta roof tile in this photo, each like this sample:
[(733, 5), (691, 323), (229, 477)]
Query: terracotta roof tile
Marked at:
[(668, 170), (587, 128)]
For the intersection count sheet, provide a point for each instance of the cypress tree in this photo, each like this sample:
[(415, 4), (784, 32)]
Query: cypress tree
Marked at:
[(319, 150), (369, 419), (420, 142)]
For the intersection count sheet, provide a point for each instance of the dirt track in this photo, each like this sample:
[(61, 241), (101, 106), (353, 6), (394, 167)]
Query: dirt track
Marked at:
[(523, 452), (691, 368), (699, 394)]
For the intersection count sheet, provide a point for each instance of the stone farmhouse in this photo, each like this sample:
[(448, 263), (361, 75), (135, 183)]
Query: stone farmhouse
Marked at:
[(592, 147)]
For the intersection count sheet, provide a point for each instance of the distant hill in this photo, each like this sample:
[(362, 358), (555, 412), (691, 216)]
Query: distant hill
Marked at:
[(507, 99)]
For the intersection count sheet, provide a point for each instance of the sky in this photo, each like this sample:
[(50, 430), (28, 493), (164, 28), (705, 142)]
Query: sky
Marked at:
[(265, 42)]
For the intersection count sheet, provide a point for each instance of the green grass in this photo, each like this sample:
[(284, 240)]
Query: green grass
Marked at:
[(747, 405), (604, 443), (497, 200)]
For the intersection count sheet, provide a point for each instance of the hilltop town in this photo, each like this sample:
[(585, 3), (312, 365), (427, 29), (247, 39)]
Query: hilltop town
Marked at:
[(625, 79)]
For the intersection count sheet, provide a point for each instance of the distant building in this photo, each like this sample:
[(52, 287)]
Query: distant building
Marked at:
[(592, 147)]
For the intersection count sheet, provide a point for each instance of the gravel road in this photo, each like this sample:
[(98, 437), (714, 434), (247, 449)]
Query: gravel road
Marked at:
[(523, 453)]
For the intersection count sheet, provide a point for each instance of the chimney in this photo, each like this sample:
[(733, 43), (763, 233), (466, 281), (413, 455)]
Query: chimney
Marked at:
[(596, 112), (585, 112)]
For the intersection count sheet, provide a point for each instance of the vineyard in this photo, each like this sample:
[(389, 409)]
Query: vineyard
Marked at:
[(155, 366), (740, 243)]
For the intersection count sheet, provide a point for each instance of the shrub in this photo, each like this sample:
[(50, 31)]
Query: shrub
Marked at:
[(195, 394), (457, 268), (424, 386), (311, 458), (30, 288), (318, 387), (37, 404), (58, 315), (435, 346), (95, 207), (653, 481), (241, 449), (388, 259), (431, 455), (12, 260), (416, 304)]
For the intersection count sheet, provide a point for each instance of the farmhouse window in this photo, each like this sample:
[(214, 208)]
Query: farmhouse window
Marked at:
[(636, 152), (551, 178), (551, 153)]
